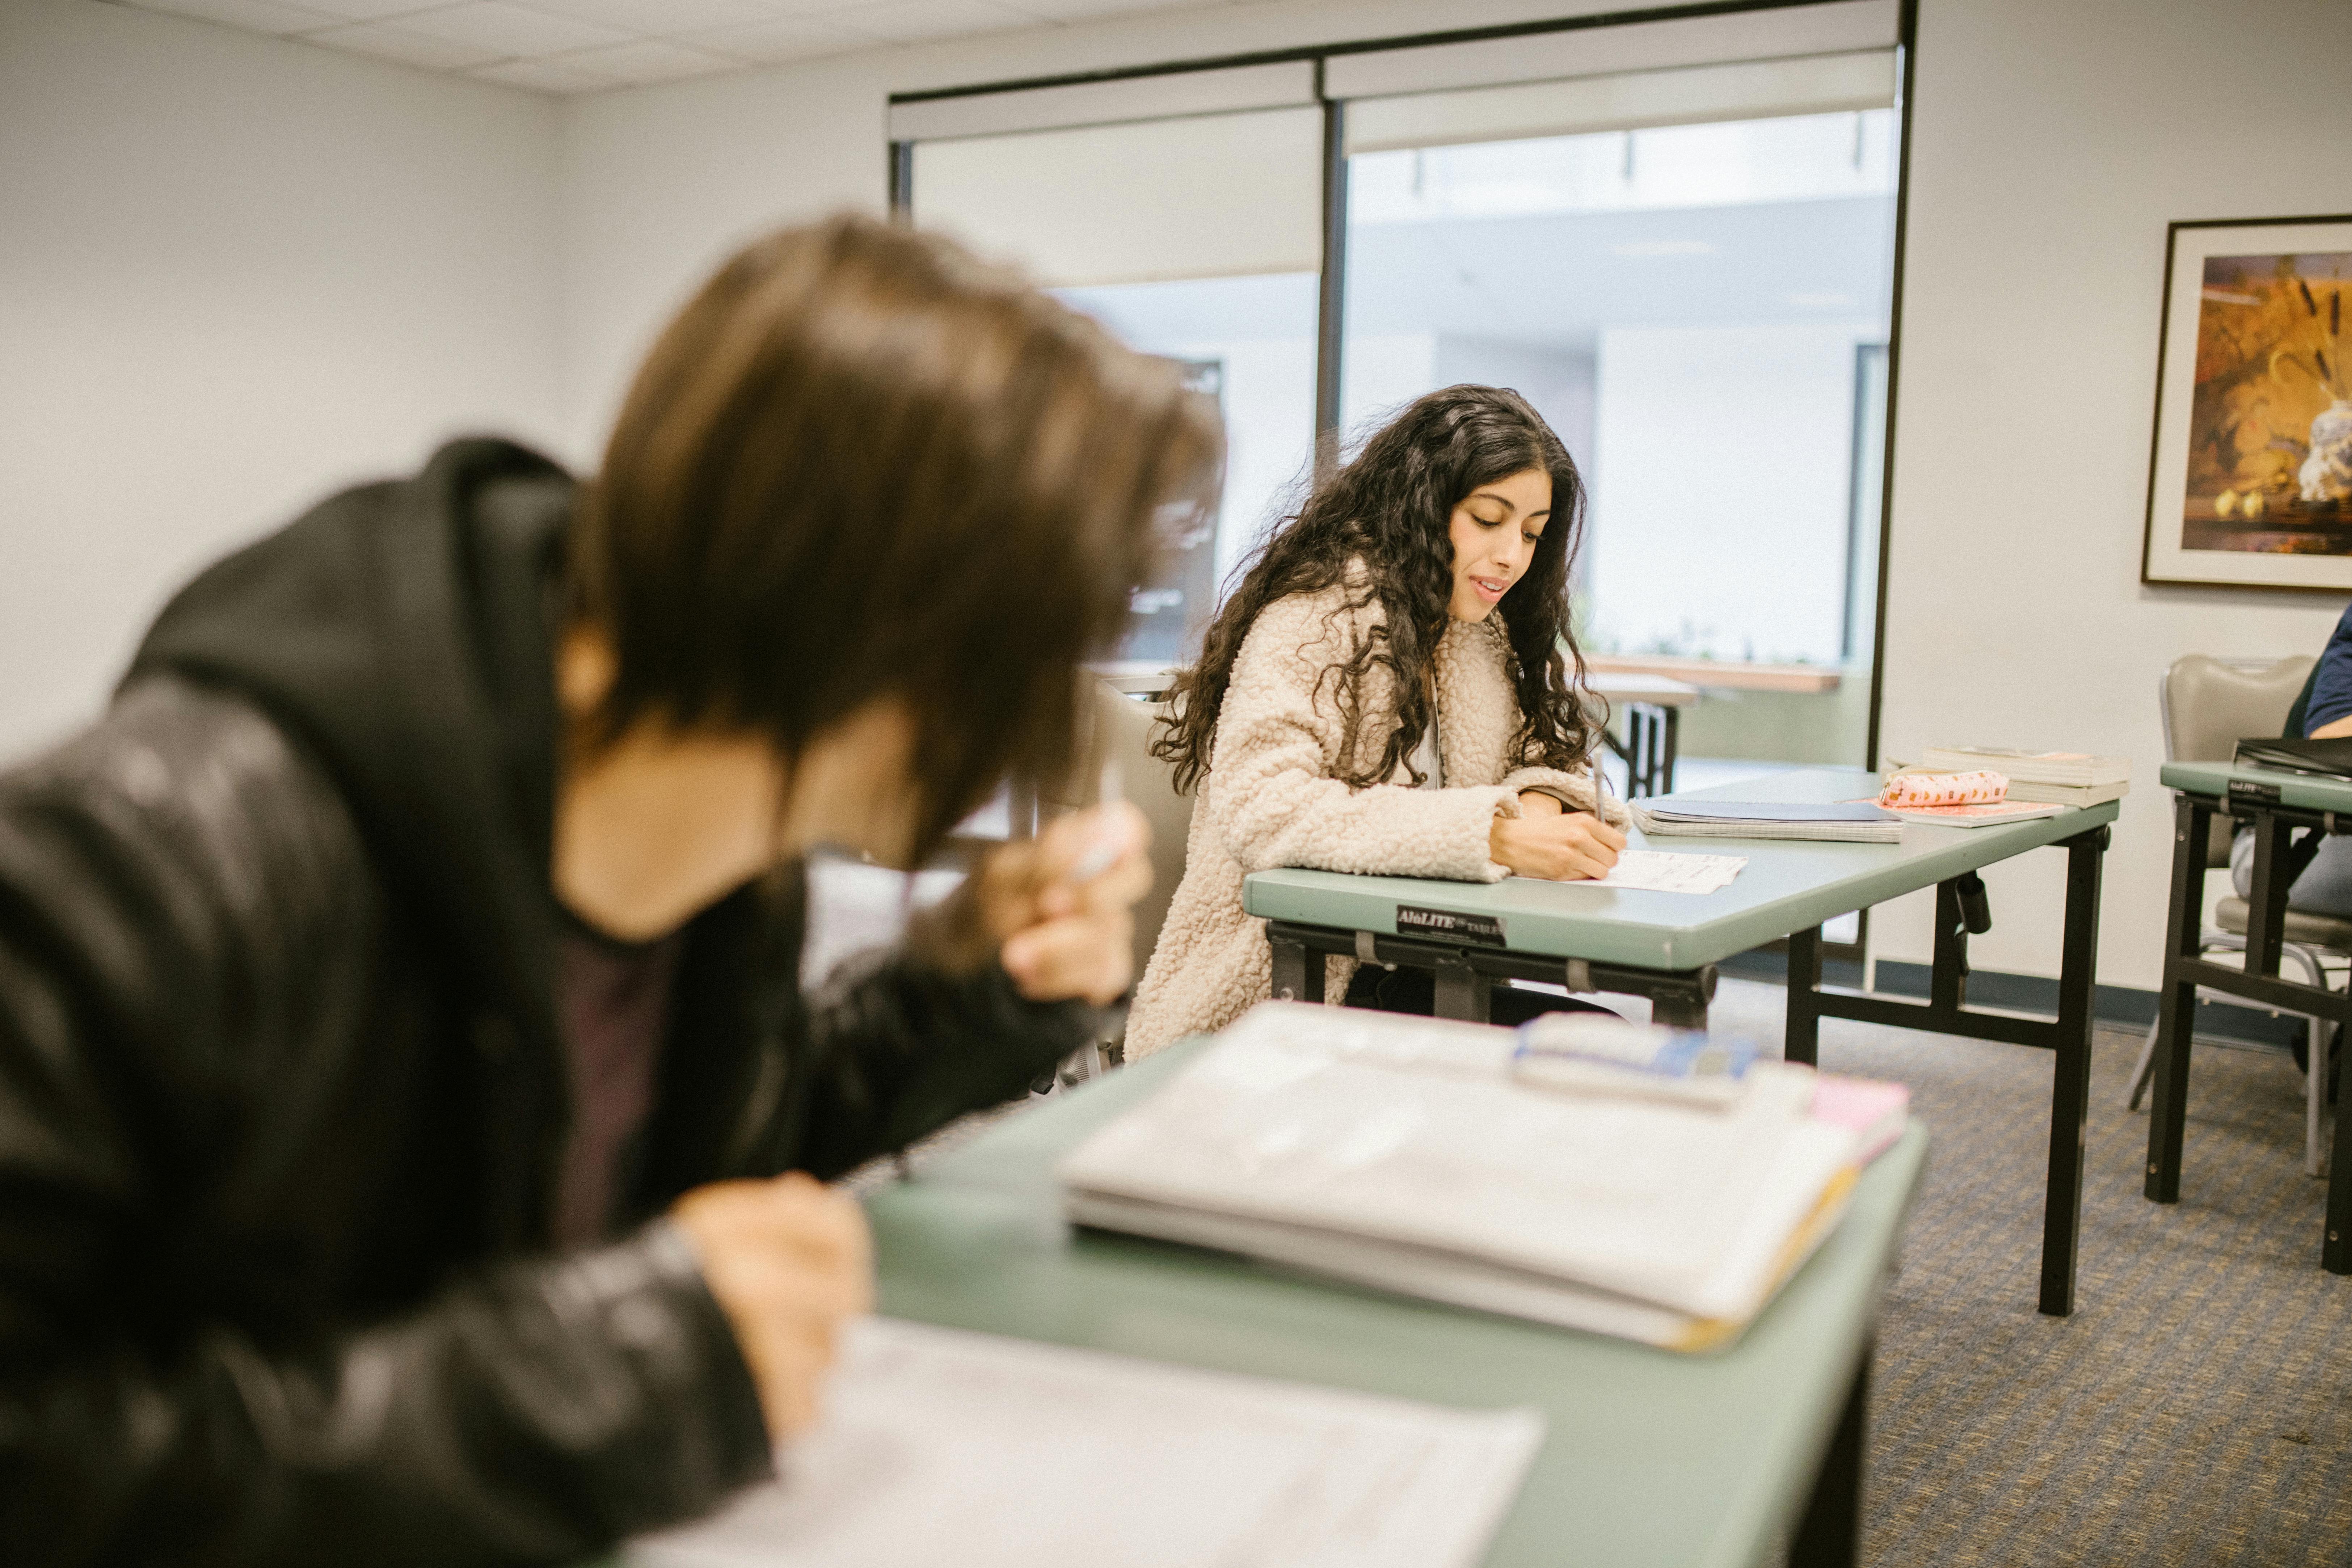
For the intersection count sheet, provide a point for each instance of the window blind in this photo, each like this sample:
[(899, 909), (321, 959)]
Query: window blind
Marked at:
[(1175, 94), (1208, 196), (1754, 90), (1787, 32)]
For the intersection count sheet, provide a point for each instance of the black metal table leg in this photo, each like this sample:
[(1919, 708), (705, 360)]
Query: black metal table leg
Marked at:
[(2070, 1079), (1463, 993), (1683, 1007), (2176, 1006), (1298, 972), (1674, 747), (1829, 1532), (1803, 1034), (2266, 910), (2336, 1252)]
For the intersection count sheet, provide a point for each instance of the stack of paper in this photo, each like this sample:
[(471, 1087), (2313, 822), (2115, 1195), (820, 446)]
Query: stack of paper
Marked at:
[(2051, 778), (1989, 814), (1700, 818), (1401, 1153), (1875, 1111), (942, 1446), (1657, 871), (2330, 759)]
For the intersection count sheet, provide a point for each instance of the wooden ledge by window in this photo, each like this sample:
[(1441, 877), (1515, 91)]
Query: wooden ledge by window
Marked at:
[(1734, 674)]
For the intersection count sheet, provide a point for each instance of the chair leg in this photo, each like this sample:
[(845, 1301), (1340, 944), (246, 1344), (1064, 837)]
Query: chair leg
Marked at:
[(2207, 941), (2145, 1070), (2315, 1058)]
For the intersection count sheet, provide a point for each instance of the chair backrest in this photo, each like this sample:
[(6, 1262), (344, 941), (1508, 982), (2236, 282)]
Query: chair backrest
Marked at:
[(1118, 729), (2210, 704)]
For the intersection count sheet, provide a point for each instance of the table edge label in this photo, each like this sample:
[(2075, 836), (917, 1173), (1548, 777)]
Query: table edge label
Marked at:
[(1450, 925)]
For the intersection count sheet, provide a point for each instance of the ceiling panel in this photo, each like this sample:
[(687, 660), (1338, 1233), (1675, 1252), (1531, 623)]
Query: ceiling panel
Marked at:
[(590, 45)]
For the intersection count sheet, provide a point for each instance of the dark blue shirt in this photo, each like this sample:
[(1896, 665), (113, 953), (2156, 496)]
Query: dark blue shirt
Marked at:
[(2331, 684)]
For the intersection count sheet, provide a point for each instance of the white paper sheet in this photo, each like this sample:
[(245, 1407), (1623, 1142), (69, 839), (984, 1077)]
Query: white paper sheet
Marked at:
[(942, 1446), (1657, 871)]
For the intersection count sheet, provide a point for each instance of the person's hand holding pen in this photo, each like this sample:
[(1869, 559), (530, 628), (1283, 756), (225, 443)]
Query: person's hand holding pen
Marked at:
[(1056, 909), (1548, 840)]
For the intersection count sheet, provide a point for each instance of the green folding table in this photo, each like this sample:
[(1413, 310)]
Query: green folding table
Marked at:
[(2290, 815), (1649, 1457), (1666, 946)]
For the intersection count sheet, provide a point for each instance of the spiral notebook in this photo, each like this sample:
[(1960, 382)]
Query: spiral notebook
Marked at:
[(1700, 818)]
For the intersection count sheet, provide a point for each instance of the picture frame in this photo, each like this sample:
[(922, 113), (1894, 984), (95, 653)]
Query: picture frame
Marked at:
[(2250, 469)]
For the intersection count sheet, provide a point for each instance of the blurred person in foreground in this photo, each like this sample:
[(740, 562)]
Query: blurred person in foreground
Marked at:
[(400, 1026)]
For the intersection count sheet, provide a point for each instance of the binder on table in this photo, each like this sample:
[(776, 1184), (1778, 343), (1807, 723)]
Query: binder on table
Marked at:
[(1401, 1153)]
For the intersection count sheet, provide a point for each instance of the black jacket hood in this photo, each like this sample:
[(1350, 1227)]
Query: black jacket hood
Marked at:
[(404, 631)]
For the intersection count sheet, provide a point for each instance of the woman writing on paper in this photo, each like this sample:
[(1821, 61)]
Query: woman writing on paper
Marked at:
[(1393, 690)]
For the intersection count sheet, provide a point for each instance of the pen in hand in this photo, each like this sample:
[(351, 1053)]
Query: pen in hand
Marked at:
[(1109, 843)]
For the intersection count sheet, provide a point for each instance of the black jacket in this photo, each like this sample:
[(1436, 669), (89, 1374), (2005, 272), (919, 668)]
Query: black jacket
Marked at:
[(282, 1096)]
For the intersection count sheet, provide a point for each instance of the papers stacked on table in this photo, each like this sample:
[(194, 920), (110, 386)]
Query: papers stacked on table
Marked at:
[(1657, 871), (942, 1446), (1991, 814), (2330, 759), (2049, 778), (1400, 1153)]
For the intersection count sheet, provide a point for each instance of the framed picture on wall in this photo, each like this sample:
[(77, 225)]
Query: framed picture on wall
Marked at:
[(2250, 482)]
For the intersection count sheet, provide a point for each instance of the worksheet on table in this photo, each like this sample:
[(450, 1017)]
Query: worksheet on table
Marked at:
[(1658, 871), (939, 1445)]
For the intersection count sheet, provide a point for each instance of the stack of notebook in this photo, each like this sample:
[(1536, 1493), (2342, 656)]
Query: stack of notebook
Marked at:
[(1406, 1154), (2050, 778), (2312, 759), (1852, 822)]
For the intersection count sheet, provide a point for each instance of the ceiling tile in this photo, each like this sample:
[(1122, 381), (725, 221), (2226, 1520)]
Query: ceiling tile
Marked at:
[(510, 29), (804, 9), (368, 10), (394, 43), (908, 21), (543, 76), (254, 16), (773, 43), (659, 18), (646, 59), (1089, 10)]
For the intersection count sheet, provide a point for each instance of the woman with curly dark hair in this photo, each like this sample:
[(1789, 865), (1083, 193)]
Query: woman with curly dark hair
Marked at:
[(1393, 690)]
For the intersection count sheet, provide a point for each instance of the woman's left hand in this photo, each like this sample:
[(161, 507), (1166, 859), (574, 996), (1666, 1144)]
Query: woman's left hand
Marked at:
[(1060, 906)]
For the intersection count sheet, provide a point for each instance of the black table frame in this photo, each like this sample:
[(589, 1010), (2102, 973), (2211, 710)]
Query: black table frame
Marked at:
[(2285, 838), (1652, 740), (1465, 974)]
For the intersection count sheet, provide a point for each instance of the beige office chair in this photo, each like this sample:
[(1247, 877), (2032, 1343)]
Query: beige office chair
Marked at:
[(1120, 729), (2208, 706)]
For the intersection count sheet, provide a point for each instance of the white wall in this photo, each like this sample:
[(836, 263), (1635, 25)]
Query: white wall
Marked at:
[(234, 273), (2051, 144)]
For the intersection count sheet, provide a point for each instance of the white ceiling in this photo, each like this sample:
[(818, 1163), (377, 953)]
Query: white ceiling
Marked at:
[(587, 46)]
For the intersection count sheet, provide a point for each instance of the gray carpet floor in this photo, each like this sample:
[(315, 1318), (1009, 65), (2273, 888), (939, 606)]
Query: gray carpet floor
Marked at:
[(2196, 1409)]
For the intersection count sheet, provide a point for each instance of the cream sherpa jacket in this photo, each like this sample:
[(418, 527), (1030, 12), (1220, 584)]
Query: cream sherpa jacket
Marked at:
[(1269, 799)]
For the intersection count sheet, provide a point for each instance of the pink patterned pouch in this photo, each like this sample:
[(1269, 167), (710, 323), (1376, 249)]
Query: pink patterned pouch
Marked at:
[(1981, 788)]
